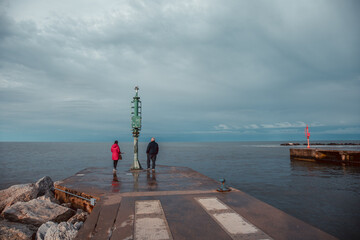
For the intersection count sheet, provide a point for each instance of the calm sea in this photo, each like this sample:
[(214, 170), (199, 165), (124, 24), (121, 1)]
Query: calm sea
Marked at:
[(326, 196)]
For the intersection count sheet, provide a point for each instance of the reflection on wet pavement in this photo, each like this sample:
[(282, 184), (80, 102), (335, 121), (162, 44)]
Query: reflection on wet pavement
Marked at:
[(96, 180), (151, 181), (115, 185)]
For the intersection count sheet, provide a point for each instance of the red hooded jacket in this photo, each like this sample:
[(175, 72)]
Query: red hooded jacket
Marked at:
[(115, 149)]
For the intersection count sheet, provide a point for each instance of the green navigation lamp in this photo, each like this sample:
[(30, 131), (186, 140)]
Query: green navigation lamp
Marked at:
[(136, 127)]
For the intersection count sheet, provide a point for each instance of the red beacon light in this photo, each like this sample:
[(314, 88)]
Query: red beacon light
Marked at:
[(307, 135)]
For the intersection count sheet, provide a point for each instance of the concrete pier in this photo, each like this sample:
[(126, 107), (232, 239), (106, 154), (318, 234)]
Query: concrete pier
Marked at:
[(322, 155), (177, 203)]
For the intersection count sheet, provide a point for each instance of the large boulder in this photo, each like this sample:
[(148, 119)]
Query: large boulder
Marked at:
[(25, 192), (44, 185), (37, 212), (41, 232), (16, 193), (61, 231), (16, 231), (50, 197)]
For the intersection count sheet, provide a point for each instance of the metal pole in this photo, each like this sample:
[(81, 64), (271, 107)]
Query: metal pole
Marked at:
[(308, 146), (307, 134), (136, 165), (136, 126)]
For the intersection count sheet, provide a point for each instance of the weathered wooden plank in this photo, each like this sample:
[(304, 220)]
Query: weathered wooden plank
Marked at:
[(107, 217), (87, 230), (124, 225)]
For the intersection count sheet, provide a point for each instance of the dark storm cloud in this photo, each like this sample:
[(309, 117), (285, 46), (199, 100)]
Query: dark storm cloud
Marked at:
[(202, 66)]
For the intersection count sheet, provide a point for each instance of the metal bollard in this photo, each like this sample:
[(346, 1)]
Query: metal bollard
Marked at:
[(223, 187)]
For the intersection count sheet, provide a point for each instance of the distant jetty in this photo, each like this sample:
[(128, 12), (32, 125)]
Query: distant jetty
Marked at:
[(324, 155), (320, 144)]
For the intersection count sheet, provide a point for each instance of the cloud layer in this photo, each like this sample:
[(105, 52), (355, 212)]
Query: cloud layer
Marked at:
[(68, 69)]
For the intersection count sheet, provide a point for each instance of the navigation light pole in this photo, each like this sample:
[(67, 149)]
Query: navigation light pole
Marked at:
[(136, 127)]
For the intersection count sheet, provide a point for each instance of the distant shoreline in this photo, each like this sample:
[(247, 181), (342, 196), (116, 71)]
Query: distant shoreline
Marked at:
[(323, 144)]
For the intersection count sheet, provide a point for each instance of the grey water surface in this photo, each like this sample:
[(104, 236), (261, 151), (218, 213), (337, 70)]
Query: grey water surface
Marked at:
[(323, 195)]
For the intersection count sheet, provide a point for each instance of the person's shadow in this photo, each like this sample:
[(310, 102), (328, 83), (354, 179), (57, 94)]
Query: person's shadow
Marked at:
[(115, 184), (151, 181)]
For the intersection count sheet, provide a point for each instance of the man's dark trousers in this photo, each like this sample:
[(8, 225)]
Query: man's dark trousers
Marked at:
[(153, 159)]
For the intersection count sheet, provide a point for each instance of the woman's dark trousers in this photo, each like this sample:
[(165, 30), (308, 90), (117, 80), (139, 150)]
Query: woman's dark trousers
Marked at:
[(115, 163)]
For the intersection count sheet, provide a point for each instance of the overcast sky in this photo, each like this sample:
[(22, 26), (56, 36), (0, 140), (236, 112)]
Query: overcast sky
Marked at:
[(207, 70)]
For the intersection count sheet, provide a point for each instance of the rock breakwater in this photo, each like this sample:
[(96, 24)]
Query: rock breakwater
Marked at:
[(320, 144), (31, 211)]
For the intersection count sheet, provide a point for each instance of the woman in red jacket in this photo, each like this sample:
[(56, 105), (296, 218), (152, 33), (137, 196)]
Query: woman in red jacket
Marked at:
[(116, 154)]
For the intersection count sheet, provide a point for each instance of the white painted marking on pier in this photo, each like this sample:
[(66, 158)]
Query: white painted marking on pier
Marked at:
[(148, 207), (212, 204), (151, 228), (235, 225), (150, 221)]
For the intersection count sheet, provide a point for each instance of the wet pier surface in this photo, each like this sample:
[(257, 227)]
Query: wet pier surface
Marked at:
[(177, 203)]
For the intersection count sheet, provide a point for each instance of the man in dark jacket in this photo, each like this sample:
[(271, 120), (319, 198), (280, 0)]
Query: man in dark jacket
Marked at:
[(151, 151)]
